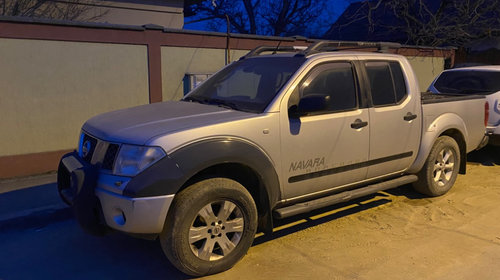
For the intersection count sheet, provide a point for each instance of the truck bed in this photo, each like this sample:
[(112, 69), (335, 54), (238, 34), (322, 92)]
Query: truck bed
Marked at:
[(458, 108)]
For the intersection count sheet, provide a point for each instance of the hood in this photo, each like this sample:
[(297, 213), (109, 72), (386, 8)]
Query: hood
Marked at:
[(139, 124)]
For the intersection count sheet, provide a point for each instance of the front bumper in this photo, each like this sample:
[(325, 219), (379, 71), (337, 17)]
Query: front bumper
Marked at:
[(134, 215), (97, 208)]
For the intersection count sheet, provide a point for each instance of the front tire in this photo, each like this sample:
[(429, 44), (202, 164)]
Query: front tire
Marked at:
[(210, 227), (440, 170)]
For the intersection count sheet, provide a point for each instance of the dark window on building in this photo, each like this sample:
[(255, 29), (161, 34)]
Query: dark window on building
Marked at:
[(335, 80), (387, 82)]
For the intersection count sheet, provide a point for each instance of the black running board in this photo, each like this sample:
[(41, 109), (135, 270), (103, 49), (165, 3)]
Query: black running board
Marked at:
[(342, 197)]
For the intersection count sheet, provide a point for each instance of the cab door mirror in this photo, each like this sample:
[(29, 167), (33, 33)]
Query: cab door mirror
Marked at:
[(308, 104)]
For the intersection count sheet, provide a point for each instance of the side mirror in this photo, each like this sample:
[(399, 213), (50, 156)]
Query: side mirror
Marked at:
[(309, 104)]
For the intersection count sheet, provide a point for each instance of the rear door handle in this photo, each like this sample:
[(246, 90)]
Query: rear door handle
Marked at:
[(358, 123), (409, 117)]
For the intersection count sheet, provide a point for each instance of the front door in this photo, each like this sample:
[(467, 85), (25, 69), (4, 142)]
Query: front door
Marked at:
[(325, 149)]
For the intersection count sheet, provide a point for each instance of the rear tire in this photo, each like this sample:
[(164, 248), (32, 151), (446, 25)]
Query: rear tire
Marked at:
[(440, 170), (210, 227)]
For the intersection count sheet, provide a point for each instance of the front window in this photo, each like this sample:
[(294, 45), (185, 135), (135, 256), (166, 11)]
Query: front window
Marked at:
[(336, 81), (247, 85)]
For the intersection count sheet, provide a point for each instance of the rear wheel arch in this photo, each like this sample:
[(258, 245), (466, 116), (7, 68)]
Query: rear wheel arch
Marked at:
[(462, 145)]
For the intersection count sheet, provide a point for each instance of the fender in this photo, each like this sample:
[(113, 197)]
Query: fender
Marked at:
[(198, 156), (431, 132)]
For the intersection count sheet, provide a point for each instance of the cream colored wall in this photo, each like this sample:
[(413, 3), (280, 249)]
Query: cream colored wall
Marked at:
[(167, 13), (176, 62), (49, 88), (426, 69)]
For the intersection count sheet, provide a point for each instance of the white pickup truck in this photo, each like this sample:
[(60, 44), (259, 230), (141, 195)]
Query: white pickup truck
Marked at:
[(267, 137), (482, 80)]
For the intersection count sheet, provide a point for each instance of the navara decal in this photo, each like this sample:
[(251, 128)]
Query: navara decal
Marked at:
[(315, 163)]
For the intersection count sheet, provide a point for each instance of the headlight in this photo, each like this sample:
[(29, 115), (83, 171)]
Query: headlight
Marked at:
[(133, 159)]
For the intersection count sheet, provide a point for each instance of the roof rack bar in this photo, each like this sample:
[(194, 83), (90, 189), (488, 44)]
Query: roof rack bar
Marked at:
[(261, 49), (325, 46)]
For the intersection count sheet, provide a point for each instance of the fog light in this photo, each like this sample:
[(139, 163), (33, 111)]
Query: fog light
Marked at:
[(120, 218)]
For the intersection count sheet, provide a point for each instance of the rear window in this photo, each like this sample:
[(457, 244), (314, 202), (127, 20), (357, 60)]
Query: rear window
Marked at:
[(387, 82), (468, 82)]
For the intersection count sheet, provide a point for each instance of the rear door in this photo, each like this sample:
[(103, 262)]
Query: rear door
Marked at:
[(395, 119)]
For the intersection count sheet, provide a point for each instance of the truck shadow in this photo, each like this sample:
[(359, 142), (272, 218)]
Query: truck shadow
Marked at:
[(487, 156), (301, 222), (298, 223)]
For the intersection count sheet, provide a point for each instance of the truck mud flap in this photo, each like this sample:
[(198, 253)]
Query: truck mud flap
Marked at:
[(76, 180)]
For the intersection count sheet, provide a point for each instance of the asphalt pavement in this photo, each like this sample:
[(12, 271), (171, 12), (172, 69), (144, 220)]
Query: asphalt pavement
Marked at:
[(30, 202), (390, 235)]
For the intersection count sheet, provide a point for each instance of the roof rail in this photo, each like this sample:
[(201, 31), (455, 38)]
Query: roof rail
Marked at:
[(328, 46), (324, 46), (261, 49)]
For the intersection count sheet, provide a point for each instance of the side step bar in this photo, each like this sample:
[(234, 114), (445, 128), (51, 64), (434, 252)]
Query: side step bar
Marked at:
[(342, 197)]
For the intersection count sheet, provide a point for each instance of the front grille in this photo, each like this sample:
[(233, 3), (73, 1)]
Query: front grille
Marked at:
[(95, 151), (88, 147), (110, 156)]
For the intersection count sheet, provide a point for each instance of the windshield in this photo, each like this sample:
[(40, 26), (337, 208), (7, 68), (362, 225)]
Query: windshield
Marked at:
[(247, 85), (468, 82)]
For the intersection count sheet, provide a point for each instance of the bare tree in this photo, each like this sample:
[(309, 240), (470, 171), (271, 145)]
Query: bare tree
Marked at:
[(52, 9), (264, 17), (426, 22), (448, 22)]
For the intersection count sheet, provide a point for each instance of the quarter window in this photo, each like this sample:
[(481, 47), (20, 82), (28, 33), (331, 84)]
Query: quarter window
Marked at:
[(387, 82)]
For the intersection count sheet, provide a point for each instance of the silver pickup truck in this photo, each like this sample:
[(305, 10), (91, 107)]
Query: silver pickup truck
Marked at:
[(267, 137)]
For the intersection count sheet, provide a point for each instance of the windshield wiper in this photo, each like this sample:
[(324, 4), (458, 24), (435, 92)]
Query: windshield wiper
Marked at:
[(222, 103), (192, 99), (213, 101)]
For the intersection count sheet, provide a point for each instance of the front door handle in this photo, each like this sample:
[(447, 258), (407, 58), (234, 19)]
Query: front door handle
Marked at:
[(409, 117), (358, 123)]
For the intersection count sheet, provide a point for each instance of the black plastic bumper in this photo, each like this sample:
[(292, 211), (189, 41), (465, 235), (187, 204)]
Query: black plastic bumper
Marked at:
[(76, 181), (494, 140)]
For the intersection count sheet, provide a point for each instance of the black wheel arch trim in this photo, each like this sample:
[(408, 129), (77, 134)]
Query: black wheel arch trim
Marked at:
[(230, 150)]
